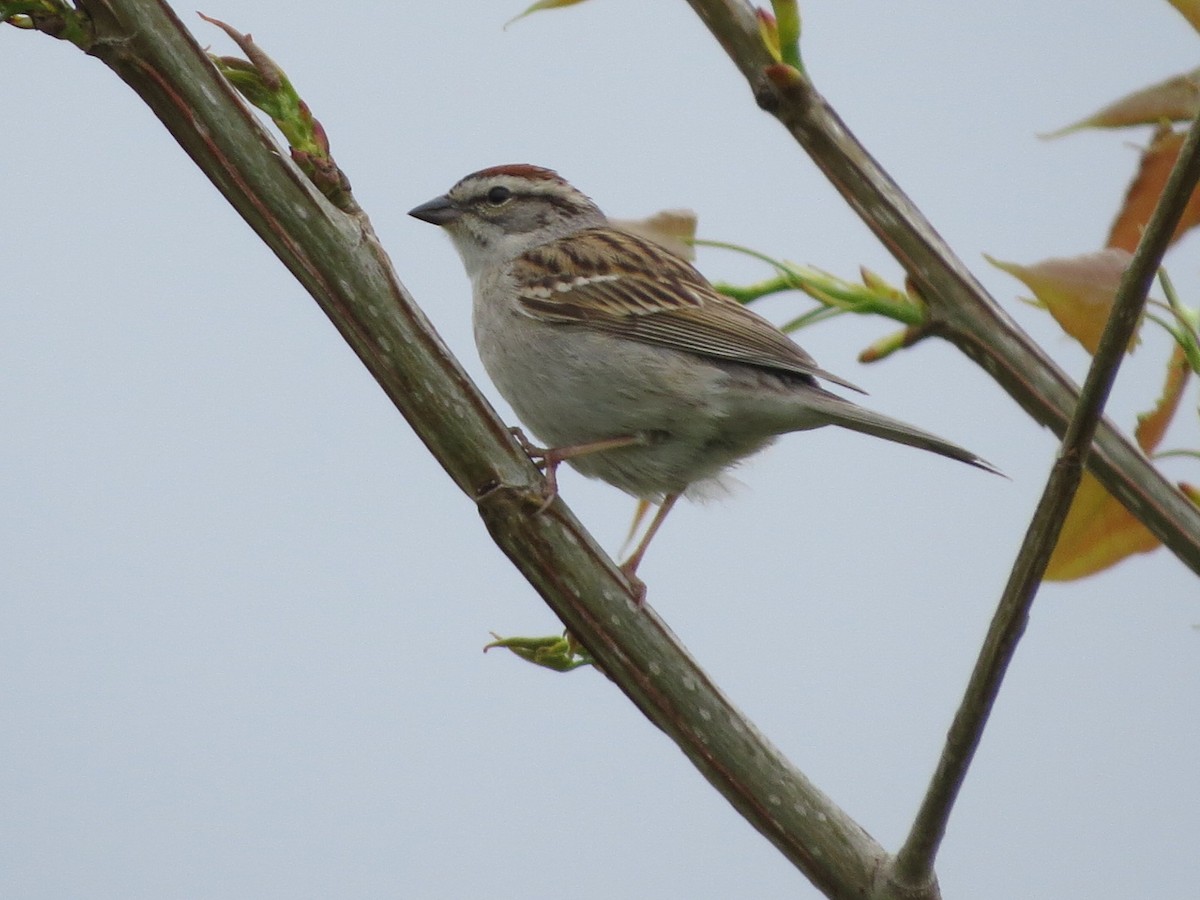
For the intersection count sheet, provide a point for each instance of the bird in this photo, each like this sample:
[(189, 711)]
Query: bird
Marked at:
[(621, 356)]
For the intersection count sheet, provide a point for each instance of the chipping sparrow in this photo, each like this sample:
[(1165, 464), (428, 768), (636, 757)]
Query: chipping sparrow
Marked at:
[(621, 355)]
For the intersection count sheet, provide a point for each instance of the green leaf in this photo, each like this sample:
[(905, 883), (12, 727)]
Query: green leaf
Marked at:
[(559, 653)]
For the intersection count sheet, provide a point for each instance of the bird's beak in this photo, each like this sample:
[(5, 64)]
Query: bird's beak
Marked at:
[(438, 211)]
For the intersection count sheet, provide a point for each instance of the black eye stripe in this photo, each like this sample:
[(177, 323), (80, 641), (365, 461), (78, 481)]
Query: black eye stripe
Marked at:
[(499, 195)]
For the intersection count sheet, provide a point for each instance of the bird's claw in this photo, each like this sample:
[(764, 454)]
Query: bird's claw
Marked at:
[(637, 587), (546, 460)]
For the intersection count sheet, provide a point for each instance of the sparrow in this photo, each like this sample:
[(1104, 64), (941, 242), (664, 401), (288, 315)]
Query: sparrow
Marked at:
[(621, 356)]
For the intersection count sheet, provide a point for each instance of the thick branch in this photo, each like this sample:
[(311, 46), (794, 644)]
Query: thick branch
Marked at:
[(914, 862), (336, 257), (962, 311)]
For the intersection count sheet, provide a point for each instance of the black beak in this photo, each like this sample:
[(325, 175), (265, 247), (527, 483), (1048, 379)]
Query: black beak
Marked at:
[(438, 211)]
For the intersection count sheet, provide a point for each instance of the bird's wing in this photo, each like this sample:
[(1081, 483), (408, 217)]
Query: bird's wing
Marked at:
[(653, 297)]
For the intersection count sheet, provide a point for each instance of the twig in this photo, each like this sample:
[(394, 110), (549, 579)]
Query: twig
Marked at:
[(914, 862)]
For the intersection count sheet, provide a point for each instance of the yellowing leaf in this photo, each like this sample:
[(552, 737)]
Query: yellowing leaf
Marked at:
[(1145, 190), (1078, 290), (1099, 531), (672, 229), (1177, 99), (1190, 10)]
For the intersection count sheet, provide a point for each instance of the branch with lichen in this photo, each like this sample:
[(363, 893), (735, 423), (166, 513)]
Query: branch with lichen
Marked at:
[(335, 256)]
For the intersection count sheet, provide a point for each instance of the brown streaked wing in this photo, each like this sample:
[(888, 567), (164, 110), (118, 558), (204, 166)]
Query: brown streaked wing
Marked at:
[(656, 298)]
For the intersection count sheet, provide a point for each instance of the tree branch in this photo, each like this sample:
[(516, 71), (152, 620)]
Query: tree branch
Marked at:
[(961, 310), (337, 258), (914, 863)]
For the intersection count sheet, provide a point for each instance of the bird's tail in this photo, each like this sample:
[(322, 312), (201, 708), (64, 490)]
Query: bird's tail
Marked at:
[(856, 418)]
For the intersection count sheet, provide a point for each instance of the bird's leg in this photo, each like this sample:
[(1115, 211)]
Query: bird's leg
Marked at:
[(629, 567), (548, 459)]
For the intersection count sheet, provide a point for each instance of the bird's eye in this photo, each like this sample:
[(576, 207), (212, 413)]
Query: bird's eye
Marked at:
[(498, 195)]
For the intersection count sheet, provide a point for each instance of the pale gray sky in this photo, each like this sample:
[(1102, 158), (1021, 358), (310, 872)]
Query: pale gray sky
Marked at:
[(242, 608)]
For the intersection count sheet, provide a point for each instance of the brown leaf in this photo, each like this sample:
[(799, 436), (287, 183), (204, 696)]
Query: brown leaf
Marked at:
[(1145, 190), (1077, 290), (1190, 10), (1152, 425), (1177, 99)]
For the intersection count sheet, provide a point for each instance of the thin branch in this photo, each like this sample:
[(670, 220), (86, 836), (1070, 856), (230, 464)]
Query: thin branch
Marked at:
[(962, 312), (914, 862), (338, 260)]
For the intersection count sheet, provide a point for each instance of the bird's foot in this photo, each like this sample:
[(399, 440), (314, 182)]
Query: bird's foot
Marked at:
[(548, 459), (637, 587)]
